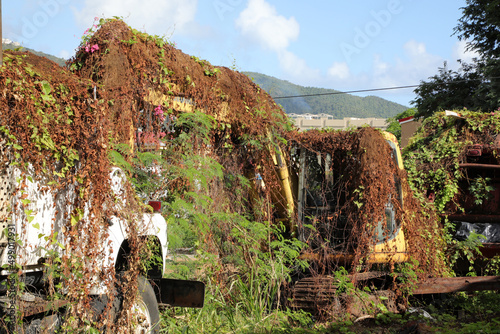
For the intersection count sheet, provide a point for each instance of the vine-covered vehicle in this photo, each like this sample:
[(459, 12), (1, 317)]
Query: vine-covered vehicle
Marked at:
[(454, 159), (342, 196), (34, 245)]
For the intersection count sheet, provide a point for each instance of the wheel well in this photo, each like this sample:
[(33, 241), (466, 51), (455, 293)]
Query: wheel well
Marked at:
[(152, 266)]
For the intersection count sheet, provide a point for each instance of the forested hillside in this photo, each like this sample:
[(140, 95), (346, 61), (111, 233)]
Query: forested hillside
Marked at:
[(55, 59), (338, 105)]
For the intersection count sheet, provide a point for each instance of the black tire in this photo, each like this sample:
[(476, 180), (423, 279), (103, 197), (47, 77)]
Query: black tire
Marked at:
[(104, 314), (146, 309), (144, 314)]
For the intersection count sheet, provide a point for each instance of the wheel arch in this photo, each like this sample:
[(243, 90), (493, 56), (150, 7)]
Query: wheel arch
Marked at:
[(152, 266)]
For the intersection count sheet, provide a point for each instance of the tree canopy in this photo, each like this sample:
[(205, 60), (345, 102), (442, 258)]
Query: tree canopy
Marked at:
[(475, 86), (480, 26)]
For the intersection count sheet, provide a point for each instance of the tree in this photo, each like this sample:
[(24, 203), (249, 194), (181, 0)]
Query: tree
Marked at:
[(480, 27), (449, 89), (474, 86)]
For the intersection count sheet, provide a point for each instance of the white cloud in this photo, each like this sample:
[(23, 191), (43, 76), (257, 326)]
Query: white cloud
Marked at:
[(262, 24), (155, 16), (296, 68), (415, 65), (460, 52), (379, 66), (415, 49), (339, 71), (64, 54)]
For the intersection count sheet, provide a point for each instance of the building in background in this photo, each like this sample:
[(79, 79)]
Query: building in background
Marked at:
[(408, 127), (321, 121)]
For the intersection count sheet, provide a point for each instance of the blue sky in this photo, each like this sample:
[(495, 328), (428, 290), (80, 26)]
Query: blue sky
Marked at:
[(344, 45)]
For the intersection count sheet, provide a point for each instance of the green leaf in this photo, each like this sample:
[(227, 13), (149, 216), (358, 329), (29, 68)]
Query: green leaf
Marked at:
[(46, 89)]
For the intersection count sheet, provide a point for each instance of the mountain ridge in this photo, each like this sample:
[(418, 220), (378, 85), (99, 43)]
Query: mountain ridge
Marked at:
[(338, 105), (16, 46)]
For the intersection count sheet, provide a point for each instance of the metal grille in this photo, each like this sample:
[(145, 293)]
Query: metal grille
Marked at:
[(6, 190)]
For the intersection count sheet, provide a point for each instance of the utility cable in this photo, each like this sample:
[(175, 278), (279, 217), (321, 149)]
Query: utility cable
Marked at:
[(346, 92), (377, 89)]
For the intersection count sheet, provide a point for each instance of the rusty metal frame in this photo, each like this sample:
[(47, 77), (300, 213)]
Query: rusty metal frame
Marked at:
[(180, 293), (455, 284)]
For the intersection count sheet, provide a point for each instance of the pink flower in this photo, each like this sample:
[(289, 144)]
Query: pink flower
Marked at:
[(159, 113), (92, 48)]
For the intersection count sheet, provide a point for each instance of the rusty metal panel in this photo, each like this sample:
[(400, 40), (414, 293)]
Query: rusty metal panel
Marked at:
[(490, 250), (474, 218), (478, 166), (180, 293), (454, 284)]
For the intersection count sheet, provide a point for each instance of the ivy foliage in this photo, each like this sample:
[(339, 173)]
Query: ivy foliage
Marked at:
[(435, 152), (434, 160)]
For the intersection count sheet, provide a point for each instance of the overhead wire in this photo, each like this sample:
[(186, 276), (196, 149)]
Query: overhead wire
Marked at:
[(345, 92), (375, 89)]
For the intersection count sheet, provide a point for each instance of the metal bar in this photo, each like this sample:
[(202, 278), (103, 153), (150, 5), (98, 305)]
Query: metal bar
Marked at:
[(474, 218), (454, 284), (479, 166), (32, 308), (179, 292)]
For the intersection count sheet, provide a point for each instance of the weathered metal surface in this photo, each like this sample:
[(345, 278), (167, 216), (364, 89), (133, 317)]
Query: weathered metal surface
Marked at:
[(490, 250), (40, 306), (454, 284), (479, 166), (179, 292), (475, 218), (313, 293), (36, 306), (320, 296)]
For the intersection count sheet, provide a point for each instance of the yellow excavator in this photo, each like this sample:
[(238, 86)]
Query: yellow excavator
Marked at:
[(313, 203), (309, 191)]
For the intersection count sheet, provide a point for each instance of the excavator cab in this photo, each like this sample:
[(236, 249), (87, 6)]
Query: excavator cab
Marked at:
[(322, 195), (320, 200)]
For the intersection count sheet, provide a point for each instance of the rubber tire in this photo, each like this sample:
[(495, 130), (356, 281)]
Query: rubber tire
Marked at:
[(148, 297)]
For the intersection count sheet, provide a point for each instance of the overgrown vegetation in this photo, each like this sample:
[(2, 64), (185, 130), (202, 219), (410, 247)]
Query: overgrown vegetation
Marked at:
[(207, 142), (54, 132), (436, 160)]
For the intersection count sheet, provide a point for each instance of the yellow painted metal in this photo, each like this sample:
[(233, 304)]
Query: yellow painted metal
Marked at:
[(395, 248), (280, 159)]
